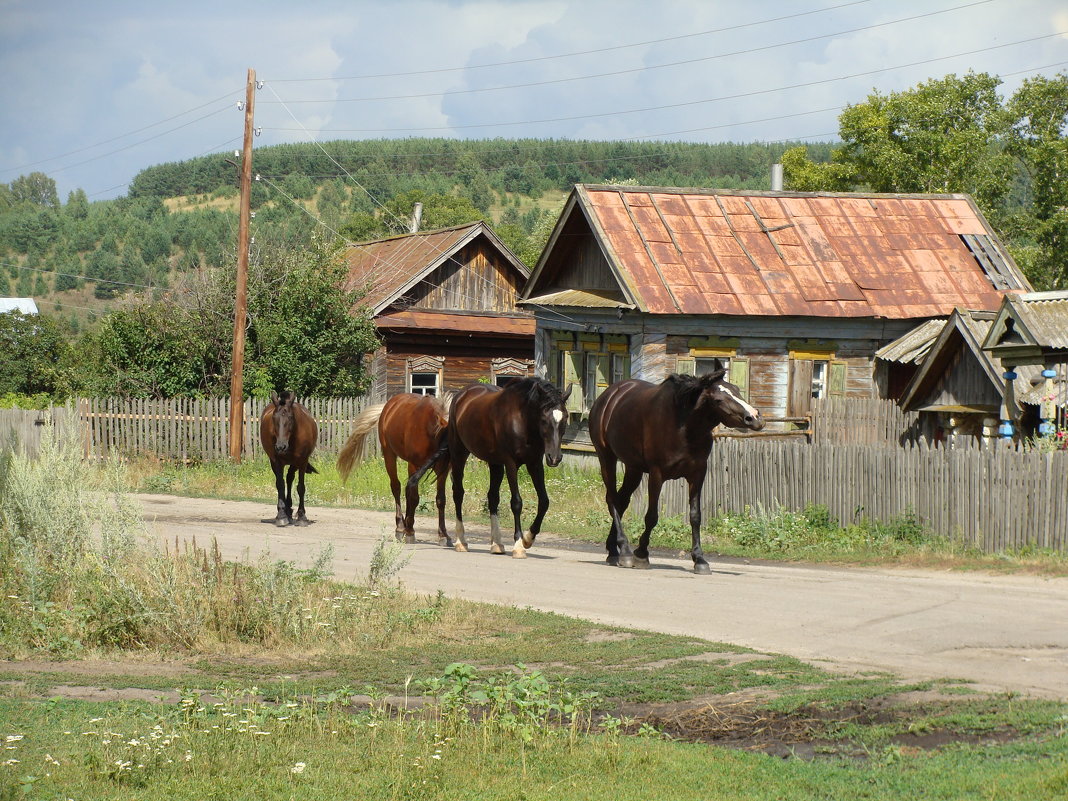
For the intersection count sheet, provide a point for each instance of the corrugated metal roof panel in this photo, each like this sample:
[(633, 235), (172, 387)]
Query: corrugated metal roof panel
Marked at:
[(1046, 316), (790, 254)]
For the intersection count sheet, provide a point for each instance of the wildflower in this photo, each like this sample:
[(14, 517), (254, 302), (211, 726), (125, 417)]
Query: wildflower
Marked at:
[(10, 762), (13, 738), (298, 768), (51, 760)]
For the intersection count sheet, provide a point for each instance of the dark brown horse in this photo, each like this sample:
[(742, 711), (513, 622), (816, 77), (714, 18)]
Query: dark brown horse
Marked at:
[(288, 434), (507, 427), (664, 430), (410, 427)]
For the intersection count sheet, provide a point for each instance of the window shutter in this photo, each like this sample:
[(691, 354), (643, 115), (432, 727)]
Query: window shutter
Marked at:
[(686, 365), (604, 375), (836, 384), (573, 377), (739, 376)]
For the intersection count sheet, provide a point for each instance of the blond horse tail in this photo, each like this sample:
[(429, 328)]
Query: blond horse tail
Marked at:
[(352, 454)]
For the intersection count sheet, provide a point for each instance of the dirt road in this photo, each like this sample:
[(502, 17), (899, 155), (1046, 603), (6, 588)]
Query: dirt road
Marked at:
[(1001, 633)]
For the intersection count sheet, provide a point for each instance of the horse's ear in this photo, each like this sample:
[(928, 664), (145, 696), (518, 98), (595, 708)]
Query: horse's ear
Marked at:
[(566, 393), (274, 398)]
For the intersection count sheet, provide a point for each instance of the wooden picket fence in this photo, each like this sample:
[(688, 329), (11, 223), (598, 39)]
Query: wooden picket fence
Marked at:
[(994, 499), (179, 429)]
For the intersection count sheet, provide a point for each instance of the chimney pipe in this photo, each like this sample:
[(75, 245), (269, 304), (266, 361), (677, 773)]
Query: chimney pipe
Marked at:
[(776, 177), (417, 218)]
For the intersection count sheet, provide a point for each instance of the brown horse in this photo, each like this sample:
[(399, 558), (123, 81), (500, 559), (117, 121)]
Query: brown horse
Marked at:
[(664, 430), (507, 427), (288, 434), (413, 428)]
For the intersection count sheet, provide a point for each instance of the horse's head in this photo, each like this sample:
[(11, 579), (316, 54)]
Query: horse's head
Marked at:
[(723, 401), (283, 420), (550, 406)]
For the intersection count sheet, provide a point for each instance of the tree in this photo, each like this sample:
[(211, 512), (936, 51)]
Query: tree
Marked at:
[(1039, 114), (31, 349), (36, 188)]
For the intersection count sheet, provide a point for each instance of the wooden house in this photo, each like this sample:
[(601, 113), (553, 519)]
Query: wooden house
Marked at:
[(444, 305), (796, 291)]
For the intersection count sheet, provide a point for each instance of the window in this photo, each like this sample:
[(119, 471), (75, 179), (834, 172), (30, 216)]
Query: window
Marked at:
[(424, 383), (589, 364), (819, 379)]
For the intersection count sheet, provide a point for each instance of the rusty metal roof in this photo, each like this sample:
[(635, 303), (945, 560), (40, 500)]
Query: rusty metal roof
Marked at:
[(694, 251), (390, 267)]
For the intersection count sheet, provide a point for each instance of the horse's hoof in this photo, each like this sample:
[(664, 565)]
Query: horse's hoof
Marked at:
[(528, 540), (461, 547), (701, 568), (640, 564), (496, 547), (302, 521), (625, 561), (409, 539), (518, 551), (281, 522), (445, 541), (613, 561)]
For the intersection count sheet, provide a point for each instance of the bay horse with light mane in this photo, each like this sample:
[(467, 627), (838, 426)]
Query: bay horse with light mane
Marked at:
[(517, 425), (410, 427), (288, 434), (664, 430)]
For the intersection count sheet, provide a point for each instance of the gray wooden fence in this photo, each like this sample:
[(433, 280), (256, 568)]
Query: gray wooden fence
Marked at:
[(180, 429), (994, 499)]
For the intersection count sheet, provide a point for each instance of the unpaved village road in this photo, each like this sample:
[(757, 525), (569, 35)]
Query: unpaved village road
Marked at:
[(1001, 633)]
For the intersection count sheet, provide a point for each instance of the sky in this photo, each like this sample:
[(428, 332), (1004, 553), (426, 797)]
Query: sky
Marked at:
[(97, 91)]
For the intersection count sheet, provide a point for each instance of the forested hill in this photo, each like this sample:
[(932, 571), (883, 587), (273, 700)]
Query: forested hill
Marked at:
[(386, 167), (74, 257)]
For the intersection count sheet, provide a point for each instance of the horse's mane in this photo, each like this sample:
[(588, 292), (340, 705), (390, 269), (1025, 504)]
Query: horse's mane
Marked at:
[(535, 392), (285, 396)]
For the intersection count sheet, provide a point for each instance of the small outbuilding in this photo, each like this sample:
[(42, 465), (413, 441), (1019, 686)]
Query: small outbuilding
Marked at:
[(444, 305)]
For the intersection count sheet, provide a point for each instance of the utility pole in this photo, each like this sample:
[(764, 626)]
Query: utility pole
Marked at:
[(237, 364)]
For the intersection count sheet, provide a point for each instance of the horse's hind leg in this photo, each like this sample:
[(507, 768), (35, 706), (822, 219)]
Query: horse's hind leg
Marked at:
[(411, 501), (390, 459), (632, 477), (281, 518), (537, 478), (493, 502), (302, 516)]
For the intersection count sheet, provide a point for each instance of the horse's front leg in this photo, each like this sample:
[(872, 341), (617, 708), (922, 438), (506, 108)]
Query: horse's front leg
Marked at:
[(290, 473), (652, 517), (302, 517), (700, 564), (519, 547), (280, 518), (537, 477), (442, 472), (493, 502), (406, 525), (459, 461)]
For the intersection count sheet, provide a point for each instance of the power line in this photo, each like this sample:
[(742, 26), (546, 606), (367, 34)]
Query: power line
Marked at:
[(647, 68), (577, 52), (120, 136), (736, 96)]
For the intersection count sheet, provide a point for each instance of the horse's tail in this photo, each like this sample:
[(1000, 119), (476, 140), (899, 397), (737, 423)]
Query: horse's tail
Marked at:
[(352, 454)]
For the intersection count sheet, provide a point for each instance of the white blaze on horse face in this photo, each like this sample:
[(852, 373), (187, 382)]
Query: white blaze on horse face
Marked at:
[(557, 415), (748, 409)]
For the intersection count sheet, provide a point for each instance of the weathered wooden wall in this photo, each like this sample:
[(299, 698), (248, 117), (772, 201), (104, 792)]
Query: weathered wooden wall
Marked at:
[(475, 279)]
